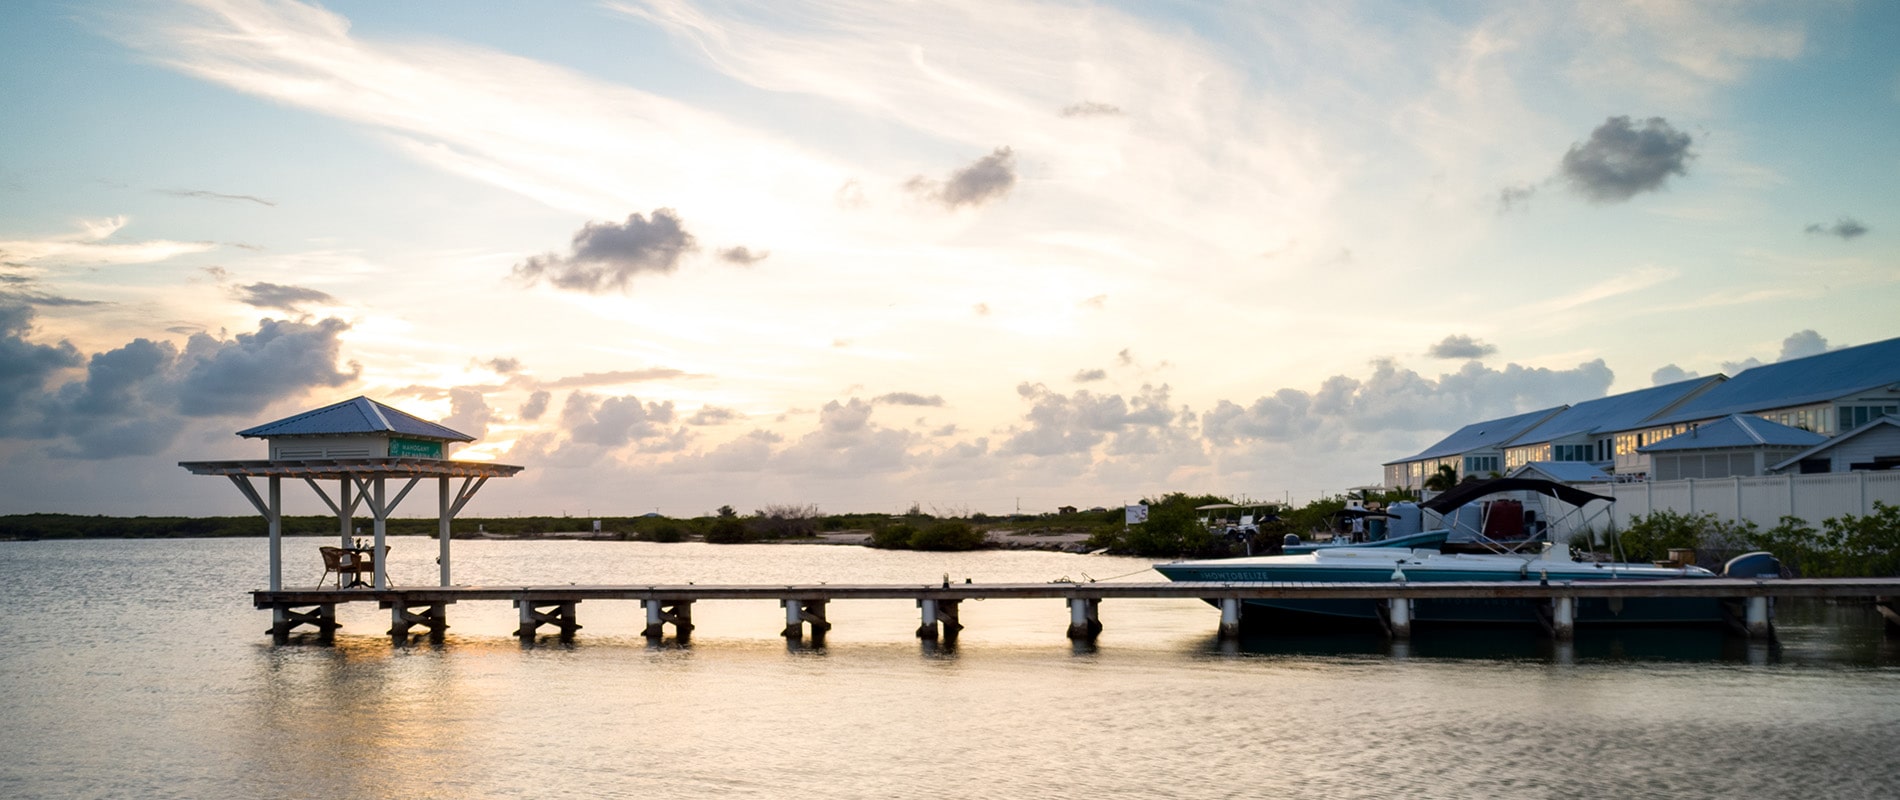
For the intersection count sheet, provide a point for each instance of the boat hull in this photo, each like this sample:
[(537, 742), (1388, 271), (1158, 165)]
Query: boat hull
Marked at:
[(1591, 611)]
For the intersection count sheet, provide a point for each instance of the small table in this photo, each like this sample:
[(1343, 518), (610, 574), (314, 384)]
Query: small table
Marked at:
[(360, 556)]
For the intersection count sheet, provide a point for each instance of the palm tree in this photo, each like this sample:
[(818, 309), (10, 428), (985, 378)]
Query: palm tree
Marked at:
[(1443, 480)]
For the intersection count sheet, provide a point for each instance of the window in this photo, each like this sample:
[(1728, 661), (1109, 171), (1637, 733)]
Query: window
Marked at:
[(1852, 417)]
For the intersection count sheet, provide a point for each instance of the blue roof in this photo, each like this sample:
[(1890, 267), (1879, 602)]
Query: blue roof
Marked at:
[(1616, 412), (355, 416), (1479, 435), (1736, 430), (1815, 379), (1880, 423), (1563, 471)]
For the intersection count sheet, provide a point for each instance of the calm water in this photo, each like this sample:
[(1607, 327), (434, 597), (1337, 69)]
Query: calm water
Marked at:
[(138, 669)]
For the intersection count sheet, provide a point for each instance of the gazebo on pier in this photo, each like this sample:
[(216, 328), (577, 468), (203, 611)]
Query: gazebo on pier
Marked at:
[(361, 444)]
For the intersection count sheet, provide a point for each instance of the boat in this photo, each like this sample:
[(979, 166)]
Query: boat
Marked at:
[(1488, 534)]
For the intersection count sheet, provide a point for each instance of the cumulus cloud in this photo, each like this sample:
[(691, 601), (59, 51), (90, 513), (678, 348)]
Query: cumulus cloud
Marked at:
[(26, 366), (244, 374), (1733, 368), (135, 399), (605, 255), (847, 443), (614, 422), (743, 255), (713, 415), (1060, 424), (468, 412), (1845, 228), (1802, 344), (1622, 160), (503, 366), (536, 406), (1398, 399), (1670, 373), (1090, 375), (987, 179), (281, 298), (909, 399), (1090, 108), (1461, 346)]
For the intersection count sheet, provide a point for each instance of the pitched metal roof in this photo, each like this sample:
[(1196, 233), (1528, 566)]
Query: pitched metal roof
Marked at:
[(1478, 435), (1876, 424), (1562, 471), (353, 416), (1735, 430), (1616, 412), (1815, 379)]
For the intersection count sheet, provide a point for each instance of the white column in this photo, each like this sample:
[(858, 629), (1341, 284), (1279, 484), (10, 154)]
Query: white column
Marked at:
[(1563, 618), (928, 628), (1400, 609), (794, 623), (653, 613), (1758, 617), (345, 517), (382, 523), (442, 529), (276, 534), (1230, 618)]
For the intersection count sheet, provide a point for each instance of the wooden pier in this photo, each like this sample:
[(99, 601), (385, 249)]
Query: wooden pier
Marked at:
[(555, 607)]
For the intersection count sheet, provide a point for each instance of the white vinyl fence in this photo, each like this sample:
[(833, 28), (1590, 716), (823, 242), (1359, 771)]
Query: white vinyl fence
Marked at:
[(1763, 501)]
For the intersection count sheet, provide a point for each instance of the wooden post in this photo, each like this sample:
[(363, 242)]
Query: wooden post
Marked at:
[(559, 613), (947, 614), (656, 626), (1229, 618), (285, 619), (404, 615), (679, 613), (382, 529), (1085, 620), (1563, 618)]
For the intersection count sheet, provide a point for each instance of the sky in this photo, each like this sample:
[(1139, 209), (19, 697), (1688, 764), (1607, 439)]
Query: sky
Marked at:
[(967, 256)]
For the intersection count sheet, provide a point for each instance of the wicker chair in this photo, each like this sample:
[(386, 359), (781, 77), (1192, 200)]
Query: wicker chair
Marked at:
[(340, 562)]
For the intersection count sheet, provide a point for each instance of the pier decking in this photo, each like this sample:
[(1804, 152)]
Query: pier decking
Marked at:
[(555, 605)]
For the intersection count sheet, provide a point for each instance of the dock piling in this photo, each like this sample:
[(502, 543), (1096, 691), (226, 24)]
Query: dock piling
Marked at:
[(1760, 626), (799, 613), (1563, 618), (535, 613), (1229, 618), (1085, 618), (404, 615), (1399, 614), (927, 626), (286, 618)]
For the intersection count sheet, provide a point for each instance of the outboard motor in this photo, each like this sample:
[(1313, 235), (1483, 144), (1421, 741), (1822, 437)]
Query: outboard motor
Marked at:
[(1759, 564), (1291, 540)]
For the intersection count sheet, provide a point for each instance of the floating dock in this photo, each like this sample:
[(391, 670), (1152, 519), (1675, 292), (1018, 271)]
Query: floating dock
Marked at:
[(554, 607)]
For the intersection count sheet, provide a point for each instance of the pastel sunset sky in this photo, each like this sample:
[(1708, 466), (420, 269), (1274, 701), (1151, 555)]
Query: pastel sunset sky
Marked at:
[(977, 256)]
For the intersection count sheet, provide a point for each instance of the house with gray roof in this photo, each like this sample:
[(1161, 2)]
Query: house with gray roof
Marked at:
[(1475, 449), (355, 428), (1738, 445), (1585, 432), (1828, 394), (1873, 446)]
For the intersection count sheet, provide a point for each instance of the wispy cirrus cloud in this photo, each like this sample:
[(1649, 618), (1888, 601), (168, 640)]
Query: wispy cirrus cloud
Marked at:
[(88, 247)]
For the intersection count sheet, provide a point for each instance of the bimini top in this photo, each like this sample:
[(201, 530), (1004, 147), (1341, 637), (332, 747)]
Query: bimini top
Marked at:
[(1466, 492), (357, 415)]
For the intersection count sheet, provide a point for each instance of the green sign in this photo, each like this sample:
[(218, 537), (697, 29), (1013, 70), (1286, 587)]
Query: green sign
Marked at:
[(414, 448)]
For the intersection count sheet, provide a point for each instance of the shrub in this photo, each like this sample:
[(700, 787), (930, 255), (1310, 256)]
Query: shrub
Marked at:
[(726, 530), (892, 536), (949, 534), (666, 532)]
